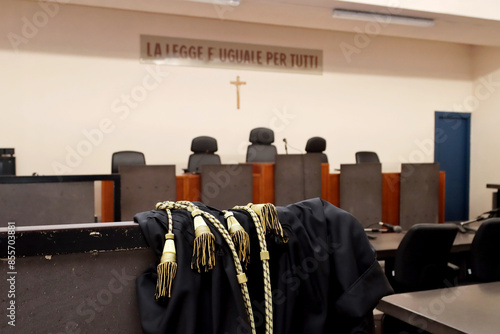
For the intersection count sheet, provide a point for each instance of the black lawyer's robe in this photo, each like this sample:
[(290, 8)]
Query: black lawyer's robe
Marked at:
[(326, 279)]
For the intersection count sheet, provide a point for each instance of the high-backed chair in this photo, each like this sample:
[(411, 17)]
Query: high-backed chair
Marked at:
[(421, 263), (123, 158), (317, 145), (484, 264), (203, 148), (261, 148), (421, 260), (366, 157)]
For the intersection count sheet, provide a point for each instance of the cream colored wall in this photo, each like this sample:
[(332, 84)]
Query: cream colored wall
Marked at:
[(71, 78), (485, 128)]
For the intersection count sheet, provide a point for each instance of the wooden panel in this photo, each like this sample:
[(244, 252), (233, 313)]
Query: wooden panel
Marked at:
[(47, 203), (325, 170), (256, 180), (107, 201), (258, 183), (361, 191), (334, 189), (419, 199), (77, 293), (288, 179), (263, 183), (312, 175), (225, 186), (189, 187), (181, 184), (76, 278), (142, 186), (390, 198), (297, 177)]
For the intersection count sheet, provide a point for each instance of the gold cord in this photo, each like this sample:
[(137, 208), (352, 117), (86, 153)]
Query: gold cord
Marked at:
[(264, 256)]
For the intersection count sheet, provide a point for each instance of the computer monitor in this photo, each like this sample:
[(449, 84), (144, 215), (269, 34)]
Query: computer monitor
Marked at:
[(7, 161)]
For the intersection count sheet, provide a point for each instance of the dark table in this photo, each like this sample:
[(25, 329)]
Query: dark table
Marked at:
[(462, 309)]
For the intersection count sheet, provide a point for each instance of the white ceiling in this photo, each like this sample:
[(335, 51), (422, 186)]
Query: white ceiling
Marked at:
[(468, 22)]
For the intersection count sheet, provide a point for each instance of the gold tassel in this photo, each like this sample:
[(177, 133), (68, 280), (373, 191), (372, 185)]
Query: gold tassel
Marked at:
[(269, 218), (167, 268), (240, 238), (204, 244)]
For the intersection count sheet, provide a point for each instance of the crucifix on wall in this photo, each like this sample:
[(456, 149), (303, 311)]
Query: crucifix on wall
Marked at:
[(238, 83)]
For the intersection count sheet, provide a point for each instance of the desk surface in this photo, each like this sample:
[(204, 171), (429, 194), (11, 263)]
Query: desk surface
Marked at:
[(462, 309), (386, 244)]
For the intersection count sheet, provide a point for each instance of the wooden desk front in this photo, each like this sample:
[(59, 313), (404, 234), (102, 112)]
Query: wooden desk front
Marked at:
[(75, 278), (189, 188), (69, 197), (462, 309)]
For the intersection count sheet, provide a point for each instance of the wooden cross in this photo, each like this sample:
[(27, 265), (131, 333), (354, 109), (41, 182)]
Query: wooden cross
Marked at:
[(238, 83)]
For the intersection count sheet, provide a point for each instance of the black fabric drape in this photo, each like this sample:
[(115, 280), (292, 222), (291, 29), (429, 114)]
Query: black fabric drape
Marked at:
[(326, 279)]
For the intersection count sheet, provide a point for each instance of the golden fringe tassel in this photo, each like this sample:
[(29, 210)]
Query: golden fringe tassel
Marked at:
[(166, 275), (269, 218), (204, 245), (167, 268), (240, 238)]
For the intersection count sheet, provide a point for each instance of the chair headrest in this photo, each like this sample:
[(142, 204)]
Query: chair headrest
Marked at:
[(121, 158), (204, 144), (367, 156), (262, 136), (316, 145)]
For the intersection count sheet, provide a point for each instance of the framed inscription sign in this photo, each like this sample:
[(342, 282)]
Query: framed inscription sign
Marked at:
[(193, 52)]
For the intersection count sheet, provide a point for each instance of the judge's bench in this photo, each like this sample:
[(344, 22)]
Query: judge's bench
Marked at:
[(414, 195)]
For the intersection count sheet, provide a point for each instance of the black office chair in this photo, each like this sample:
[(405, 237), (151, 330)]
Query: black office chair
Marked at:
[(204, 149), (421, 263), (261, 149), (122, 158), (421, 260), (366, 157), (484, 259), (317, 145)]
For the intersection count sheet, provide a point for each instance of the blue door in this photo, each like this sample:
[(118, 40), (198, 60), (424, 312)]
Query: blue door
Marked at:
[(452, 151)]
